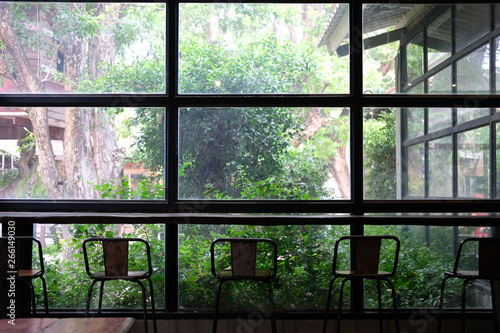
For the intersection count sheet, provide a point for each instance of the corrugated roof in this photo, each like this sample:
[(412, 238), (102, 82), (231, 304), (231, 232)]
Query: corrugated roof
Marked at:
[(375, 17)]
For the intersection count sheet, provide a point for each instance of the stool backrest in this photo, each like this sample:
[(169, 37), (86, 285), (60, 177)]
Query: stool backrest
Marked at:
[(244, 255), (114, 256), (365, 253), (243, 258), (481, 254)]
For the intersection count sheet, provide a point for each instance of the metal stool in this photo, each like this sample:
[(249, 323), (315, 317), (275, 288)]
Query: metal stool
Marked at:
[(243, 267), (115, 258), (487, 262), (24, 247), (364, 265)]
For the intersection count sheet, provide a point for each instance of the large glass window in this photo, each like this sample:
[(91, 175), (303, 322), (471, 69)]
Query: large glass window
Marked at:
[(245, 109), (83, 153), (264, 153), (262, 48)]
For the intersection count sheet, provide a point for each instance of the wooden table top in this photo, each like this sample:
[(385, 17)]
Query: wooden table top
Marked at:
[(26, 325), (67, 325)]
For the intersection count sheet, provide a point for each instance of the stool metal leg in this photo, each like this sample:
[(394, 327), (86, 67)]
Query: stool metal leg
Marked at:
[(216, 312), (152, 304), (441, 304), (380, 323), (341, 296), (45, 298), (33, 303), (394, 304), (328, 301), (273, 307), (462, 312), (144, 311), (101, 290), (87, 308)]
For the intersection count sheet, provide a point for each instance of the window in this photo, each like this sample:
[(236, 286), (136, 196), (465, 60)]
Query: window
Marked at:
[(249, 108)]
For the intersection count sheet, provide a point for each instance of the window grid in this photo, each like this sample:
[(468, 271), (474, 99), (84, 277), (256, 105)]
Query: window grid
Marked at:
[(356, 100)]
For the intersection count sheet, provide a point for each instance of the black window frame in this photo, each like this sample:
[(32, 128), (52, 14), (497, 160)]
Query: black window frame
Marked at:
[(356, 100)]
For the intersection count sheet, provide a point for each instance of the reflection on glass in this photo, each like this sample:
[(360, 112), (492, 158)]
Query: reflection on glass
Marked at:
[(440, 167), (196, 285), (473, 72), (441, 82), (467, 114), (430, 249), (415, 89), (92, 153), (497, 15), (414, 122), (471, 23), (379, 150), (497, 154), (415, 57), (439, 40), (473, 163), (379, 63), (497, 63), (439, 118), (262, 48), (264, 153), (416, 166), (83, 48)]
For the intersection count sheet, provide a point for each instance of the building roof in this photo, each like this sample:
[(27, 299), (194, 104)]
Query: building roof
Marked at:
[(375, 17)]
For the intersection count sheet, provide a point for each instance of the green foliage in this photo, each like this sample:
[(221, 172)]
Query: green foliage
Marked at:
[(28, 142), (68, 282), (379, 143), (304, 266), (126, 189), (7, 177)]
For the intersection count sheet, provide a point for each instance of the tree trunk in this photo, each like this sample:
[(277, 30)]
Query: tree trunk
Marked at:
[(109, 157), (340, 171), (25, 79), (339, 168), (78, 154)]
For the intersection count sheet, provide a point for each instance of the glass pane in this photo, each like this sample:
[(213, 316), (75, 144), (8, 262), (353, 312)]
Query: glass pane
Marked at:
[(381, 42), (439, 40), (415, 57), (379, 150), (440, 167), (114, 48), (429, 251), (467, 114), (471, 23), (92, 153), (415, 89), (414, 122), (379, 65), (473, 163), (65, 266), (416, 170), (441, 82), (304, 271), (497, 15), (473, 72), (497, 154), (497, 65), (262, 48), (264, 153), (439, 118)]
